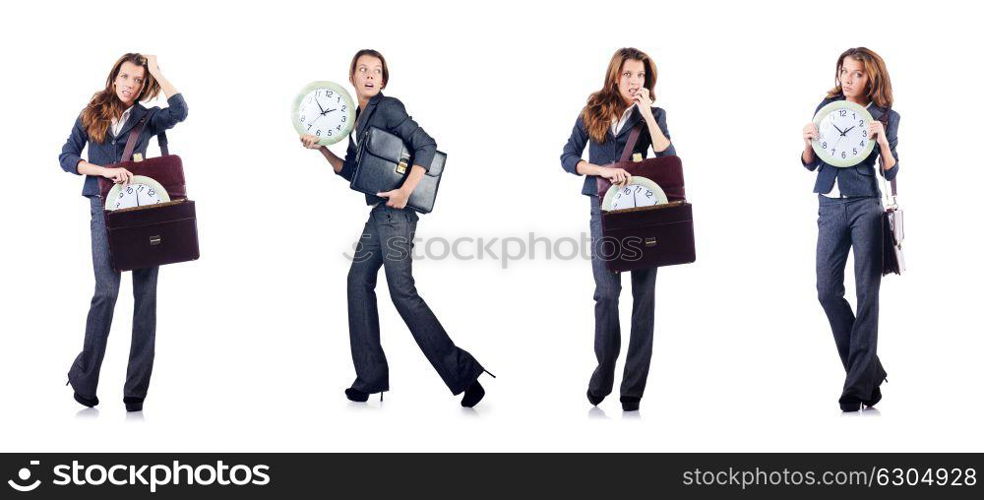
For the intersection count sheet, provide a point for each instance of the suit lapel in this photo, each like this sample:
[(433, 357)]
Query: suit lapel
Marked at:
[(631, 122), (136, 114), (366, 114)]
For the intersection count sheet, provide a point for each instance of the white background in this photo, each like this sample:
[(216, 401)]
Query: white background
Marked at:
[(252, 349)]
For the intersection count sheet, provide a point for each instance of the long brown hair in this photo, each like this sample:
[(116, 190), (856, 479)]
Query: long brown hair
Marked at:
[(105, 106), (879, 89), (371, 53), (606, 103)]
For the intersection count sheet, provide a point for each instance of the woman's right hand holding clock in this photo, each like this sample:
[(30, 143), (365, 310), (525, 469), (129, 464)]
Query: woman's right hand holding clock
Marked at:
[(310, 141)]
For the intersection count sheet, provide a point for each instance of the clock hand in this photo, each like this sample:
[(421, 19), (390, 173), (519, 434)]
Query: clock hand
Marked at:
[(329, 111), (835, 126), (316, 101), (844, 133)]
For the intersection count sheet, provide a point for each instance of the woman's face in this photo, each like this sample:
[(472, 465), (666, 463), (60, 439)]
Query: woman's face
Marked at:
[(631, 79), (368, 77), (853, 79), (129, 81)]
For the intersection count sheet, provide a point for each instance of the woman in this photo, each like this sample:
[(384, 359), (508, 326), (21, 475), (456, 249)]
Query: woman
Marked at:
[(624, 102), (104, 125), (850, 216), (385, 243)]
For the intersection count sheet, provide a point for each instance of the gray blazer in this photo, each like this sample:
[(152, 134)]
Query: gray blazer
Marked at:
[(389, 114), (858, 180)]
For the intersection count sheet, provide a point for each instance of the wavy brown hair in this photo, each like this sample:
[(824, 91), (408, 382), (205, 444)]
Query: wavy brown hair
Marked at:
[(879, 89), (105, 106), (606, 103)]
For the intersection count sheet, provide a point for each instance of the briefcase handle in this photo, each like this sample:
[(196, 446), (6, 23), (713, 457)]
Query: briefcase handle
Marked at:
[(131, 141)]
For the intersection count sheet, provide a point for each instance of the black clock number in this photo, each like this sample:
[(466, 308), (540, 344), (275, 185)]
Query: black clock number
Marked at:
[(318, 133), (860, 123), (824, 145), (843, 112), (855, 151), (843, 155)]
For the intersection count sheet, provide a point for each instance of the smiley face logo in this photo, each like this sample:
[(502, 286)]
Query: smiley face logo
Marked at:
[(24, 475)]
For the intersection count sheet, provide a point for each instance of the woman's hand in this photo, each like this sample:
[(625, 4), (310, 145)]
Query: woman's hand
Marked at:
[(617, 176), (643, 99), (876, 130), (155, 70), (810, 132), (118, 175), (310, 141), (396, 198)]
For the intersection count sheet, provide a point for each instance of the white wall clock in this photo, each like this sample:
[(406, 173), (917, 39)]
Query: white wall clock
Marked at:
[(141, 191), (640, 192), (843, 139), (325, 110)]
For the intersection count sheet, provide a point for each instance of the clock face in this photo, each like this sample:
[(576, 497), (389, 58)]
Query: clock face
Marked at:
[(640, 192), (843, 140), (325, 110), (141, 191)]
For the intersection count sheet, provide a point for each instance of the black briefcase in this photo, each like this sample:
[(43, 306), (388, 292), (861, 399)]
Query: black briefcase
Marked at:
[(383, 163)]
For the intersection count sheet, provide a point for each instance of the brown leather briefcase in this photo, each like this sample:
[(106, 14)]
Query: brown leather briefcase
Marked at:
[(655, 236), (152, 235)]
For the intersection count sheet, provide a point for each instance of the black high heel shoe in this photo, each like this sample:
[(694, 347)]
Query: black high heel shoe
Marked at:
[(474, 393), (595, 400), (357, 395), (84, 401), (629, 404), (876, 396)]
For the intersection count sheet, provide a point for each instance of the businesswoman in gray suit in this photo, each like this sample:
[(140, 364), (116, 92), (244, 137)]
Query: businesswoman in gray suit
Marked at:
[(104, 125), (850, 217), (604, 125), (386, 242)]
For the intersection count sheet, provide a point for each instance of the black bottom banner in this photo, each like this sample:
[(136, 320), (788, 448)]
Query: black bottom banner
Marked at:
[(437, 475)]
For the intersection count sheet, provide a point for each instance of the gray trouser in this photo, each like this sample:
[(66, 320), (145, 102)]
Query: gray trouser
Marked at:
[(844, 224), (387, 242), (84, 374), (608, 287)]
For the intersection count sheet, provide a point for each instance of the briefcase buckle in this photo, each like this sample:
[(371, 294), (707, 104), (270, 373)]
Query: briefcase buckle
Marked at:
[(651, 241), (401, 168), (155, 240)]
